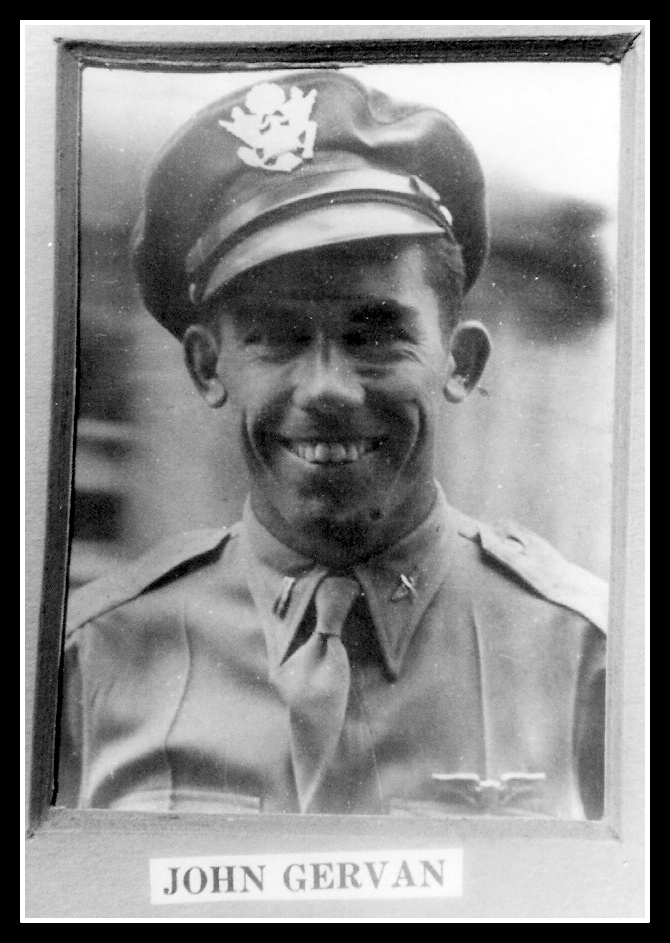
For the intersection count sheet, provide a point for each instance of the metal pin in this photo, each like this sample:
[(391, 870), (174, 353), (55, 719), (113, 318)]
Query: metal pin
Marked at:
[(408, 582), (284, 599), (405, 589)]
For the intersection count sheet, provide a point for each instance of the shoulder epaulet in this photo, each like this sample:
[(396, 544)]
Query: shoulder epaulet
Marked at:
[(131, 579), (543, 568)]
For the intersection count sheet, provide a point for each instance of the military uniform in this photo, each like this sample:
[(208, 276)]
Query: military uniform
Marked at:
[(477, 676), (457, 669)]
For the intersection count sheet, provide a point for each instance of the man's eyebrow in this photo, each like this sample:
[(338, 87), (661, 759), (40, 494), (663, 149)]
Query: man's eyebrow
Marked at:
[(261, 309), (381, 309)]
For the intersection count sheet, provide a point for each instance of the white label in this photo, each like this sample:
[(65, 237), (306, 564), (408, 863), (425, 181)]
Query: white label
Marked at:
[(342, 875)]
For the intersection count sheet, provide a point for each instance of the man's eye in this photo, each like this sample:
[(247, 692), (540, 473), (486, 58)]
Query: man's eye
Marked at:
[(377, 326)]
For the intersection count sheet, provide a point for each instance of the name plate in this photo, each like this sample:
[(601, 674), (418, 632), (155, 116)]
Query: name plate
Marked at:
[(342, 875)]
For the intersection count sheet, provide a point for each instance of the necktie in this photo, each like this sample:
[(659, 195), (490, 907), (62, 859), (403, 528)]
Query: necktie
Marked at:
[(314, 683)]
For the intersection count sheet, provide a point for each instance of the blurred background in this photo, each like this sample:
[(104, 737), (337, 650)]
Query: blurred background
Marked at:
[(534, 442)]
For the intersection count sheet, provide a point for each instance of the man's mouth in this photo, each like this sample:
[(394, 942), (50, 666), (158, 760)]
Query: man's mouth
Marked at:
[(331, 453)]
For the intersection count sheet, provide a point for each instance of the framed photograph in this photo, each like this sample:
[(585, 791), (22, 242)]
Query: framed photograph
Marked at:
[(334, 353)]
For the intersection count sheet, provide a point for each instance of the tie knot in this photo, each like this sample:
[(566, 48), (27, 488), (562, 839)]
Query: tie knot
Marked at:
[(334, 598)]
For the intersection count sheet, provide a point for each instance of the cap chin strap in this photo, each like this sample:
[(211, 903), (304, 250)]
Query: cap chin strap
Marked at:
[(300, 195)]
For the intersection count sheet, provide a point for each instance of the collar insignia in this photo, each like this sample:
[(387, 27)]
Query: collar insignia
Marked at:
[(278, 131), (406, 587)]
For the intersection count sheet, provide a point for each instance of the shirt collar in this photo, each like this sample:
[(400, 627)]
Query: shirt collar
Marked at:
[(398, 584)]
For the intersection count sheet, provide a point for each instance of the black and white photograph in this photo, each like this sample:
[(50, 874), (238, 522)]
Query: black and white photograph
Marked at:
[(340, 537)]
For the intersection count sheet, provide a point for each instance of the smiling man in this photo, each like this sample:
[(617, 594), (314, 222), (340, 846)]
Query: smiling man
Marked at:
[(337, 361), (354, 644)]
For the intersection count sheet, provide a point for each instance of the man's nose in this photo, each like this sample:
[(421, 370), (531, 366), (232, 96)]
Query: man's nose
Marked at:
[(326, 380)]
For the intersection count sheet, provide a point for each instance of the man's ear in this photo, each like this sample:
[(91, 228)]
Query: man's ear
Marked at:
[(470, 349), (201, 352)]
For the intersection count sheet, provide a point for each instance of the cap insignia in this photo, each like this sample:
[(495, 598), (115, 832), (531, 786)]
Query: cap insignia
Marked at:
[(278, 131)]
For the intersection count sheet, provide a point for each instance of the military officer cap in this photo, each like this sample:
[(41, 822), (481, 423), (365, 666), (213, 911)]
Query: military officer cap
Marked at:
[(309, 160)]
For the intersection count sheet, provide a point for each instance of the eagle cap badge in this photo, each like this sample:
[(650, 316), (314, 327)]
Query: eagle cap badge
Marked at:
[(277, 130)]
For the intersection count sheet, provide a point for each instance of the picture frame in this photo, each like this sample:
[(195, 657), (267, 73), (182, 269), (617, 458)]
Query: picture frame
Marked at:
[(96, 863)]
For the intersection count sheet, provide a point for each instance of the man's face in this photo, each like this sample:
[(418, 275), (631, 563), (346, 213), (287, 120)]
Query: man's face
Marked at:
[(335, 371)]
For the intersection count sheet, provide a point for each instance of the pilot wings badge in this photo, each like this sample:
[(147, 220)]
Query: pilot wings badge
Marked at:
[(278, 131)]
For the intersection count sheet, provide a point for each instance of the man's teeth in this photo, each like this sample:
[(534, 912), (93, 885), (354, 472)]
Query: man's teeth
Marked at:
[(322, 453)]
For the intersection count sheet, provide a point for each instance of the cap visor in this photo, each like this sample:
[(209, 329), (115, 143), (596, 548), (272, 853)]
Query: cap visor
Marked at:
[(315, 228)]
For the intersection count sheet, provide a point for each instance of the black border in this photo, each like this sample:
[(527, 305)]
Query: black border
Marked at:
[(606, 48), (61, 439)]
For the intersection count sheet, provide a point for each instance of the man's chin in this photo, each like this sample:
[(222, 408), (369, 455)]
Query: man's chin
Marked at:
[(312, 523), (332, 517), (324, 510), (337, 535)]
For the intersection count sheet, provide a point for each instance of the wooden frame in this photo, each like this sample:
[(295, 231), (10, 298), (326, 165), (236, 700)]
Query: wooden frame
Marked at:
[(96, 863)]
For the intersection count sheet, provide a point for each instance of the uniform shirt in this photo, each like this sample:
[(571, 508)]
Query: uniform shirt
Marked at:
[(477, 671)]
